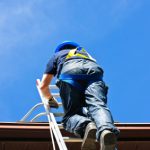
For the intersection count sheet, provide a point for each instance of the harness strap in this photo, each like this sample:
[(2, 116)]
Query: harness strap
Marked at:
[(76, 53)]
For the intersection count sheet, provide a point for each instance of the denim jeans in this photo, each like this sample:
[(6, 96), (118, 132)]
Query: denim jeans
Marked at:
[(82, 107)]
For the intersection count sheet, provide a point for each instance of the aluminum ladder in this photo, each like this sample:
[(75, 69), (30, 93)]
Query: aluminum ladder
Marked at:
[(53, 126)]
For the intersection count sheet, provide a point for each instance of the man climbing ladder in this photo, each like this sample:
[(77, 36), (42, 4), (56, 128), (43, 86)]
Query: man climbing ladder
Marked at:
[(80, 80)]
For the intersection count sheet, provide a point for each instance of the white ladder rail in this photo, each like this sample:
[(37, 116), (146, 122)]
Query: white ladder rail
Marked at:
[(52, 123)]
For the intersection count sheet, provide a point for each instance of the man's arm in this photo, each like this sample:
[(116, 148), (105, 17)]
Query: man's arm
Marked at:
[(44, 87)]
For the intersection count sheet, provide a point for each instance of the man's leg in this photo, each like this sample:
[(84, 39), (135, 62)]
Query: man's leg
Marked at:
[(96, 99), (75, 120), (83, 128)]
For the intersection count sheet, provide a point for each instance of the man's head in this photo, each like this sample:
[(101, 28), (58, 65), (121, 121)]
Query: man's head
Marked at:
[(66, 45)]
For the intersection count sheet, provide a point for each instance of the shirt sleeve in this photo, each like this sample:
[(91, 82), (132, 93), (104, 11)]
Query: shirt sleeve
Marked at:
[(51, 67)]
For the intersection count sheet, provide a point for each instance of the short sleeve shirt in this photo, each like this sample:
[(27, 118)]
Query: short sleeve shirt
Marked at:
[(55, 63)]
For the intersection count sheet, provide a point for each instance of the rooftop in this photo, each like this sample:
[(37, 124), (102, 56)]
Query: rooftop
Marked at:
[(29, 136)]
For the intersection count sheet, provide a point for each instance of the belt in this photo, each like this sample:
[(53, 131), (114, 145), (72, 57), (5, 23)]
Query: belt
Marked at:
[(73, 79)]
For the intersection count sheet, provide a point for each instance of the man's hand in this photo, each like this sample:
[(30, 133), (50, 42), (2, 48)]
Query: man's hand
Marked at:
[(53, 102), (50, 101)]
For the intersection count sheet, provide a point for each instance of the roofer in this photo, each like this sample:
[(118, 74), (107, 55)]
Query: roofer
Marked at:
[(84, 95)]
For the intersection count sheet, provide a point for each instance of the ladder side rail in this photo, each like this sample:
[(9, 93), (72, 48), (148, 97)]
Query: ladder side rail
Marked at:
[(58, 131), (59, 138), (56, 95), (51, 133), (47, 112)]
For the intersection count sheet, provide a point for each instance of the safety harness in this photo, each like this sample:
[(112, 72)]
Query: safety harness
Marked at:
[(79, 52)]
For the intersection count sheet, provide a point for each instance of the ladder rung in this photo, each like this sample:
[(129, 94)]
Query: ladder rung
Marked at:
[(60, 104), (58, 114), (56, 95), (53, 87)]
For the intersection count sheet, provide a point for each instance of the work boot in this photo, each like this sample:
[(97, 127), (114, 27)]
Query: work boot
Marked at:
[(89, 140), (108, 140)]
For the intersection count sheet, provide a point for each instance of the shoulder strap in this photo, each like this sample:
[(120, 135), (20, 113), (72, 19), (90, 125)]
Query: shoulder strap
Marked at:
[(79, 52)]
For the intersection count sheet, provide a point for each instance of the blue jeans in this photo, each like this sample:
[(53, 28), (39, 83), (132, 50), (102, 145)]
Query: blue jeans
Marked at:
[(83, 107)]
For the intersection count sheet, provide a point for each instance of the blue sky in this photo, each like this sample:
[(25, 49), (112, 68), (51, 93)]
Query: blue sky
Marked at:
[(115, 32)]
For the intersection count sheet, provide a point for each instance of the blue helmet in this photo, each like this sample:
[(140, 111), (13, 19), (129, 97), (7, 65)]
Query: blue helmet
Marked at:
[(65, 45)]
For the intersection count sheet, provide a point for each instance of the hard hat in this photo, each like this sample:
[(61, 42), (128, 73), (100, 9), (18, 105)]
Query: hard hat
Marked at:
[(64, 44)]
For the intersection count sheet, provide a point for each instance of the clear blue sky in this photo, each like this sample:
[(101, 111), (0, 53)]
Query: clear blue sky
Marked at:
[(115, 32)]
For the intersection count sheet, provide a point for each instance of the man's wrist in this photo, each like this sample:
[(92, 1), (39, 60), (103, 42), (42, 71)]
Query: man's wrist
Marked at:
[(51, 98), (53, 102)]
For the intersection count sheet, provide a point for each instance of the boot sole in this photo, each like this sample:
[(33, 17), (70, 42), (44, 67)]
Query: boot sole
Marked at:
[(90, 142), (109, 142)]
